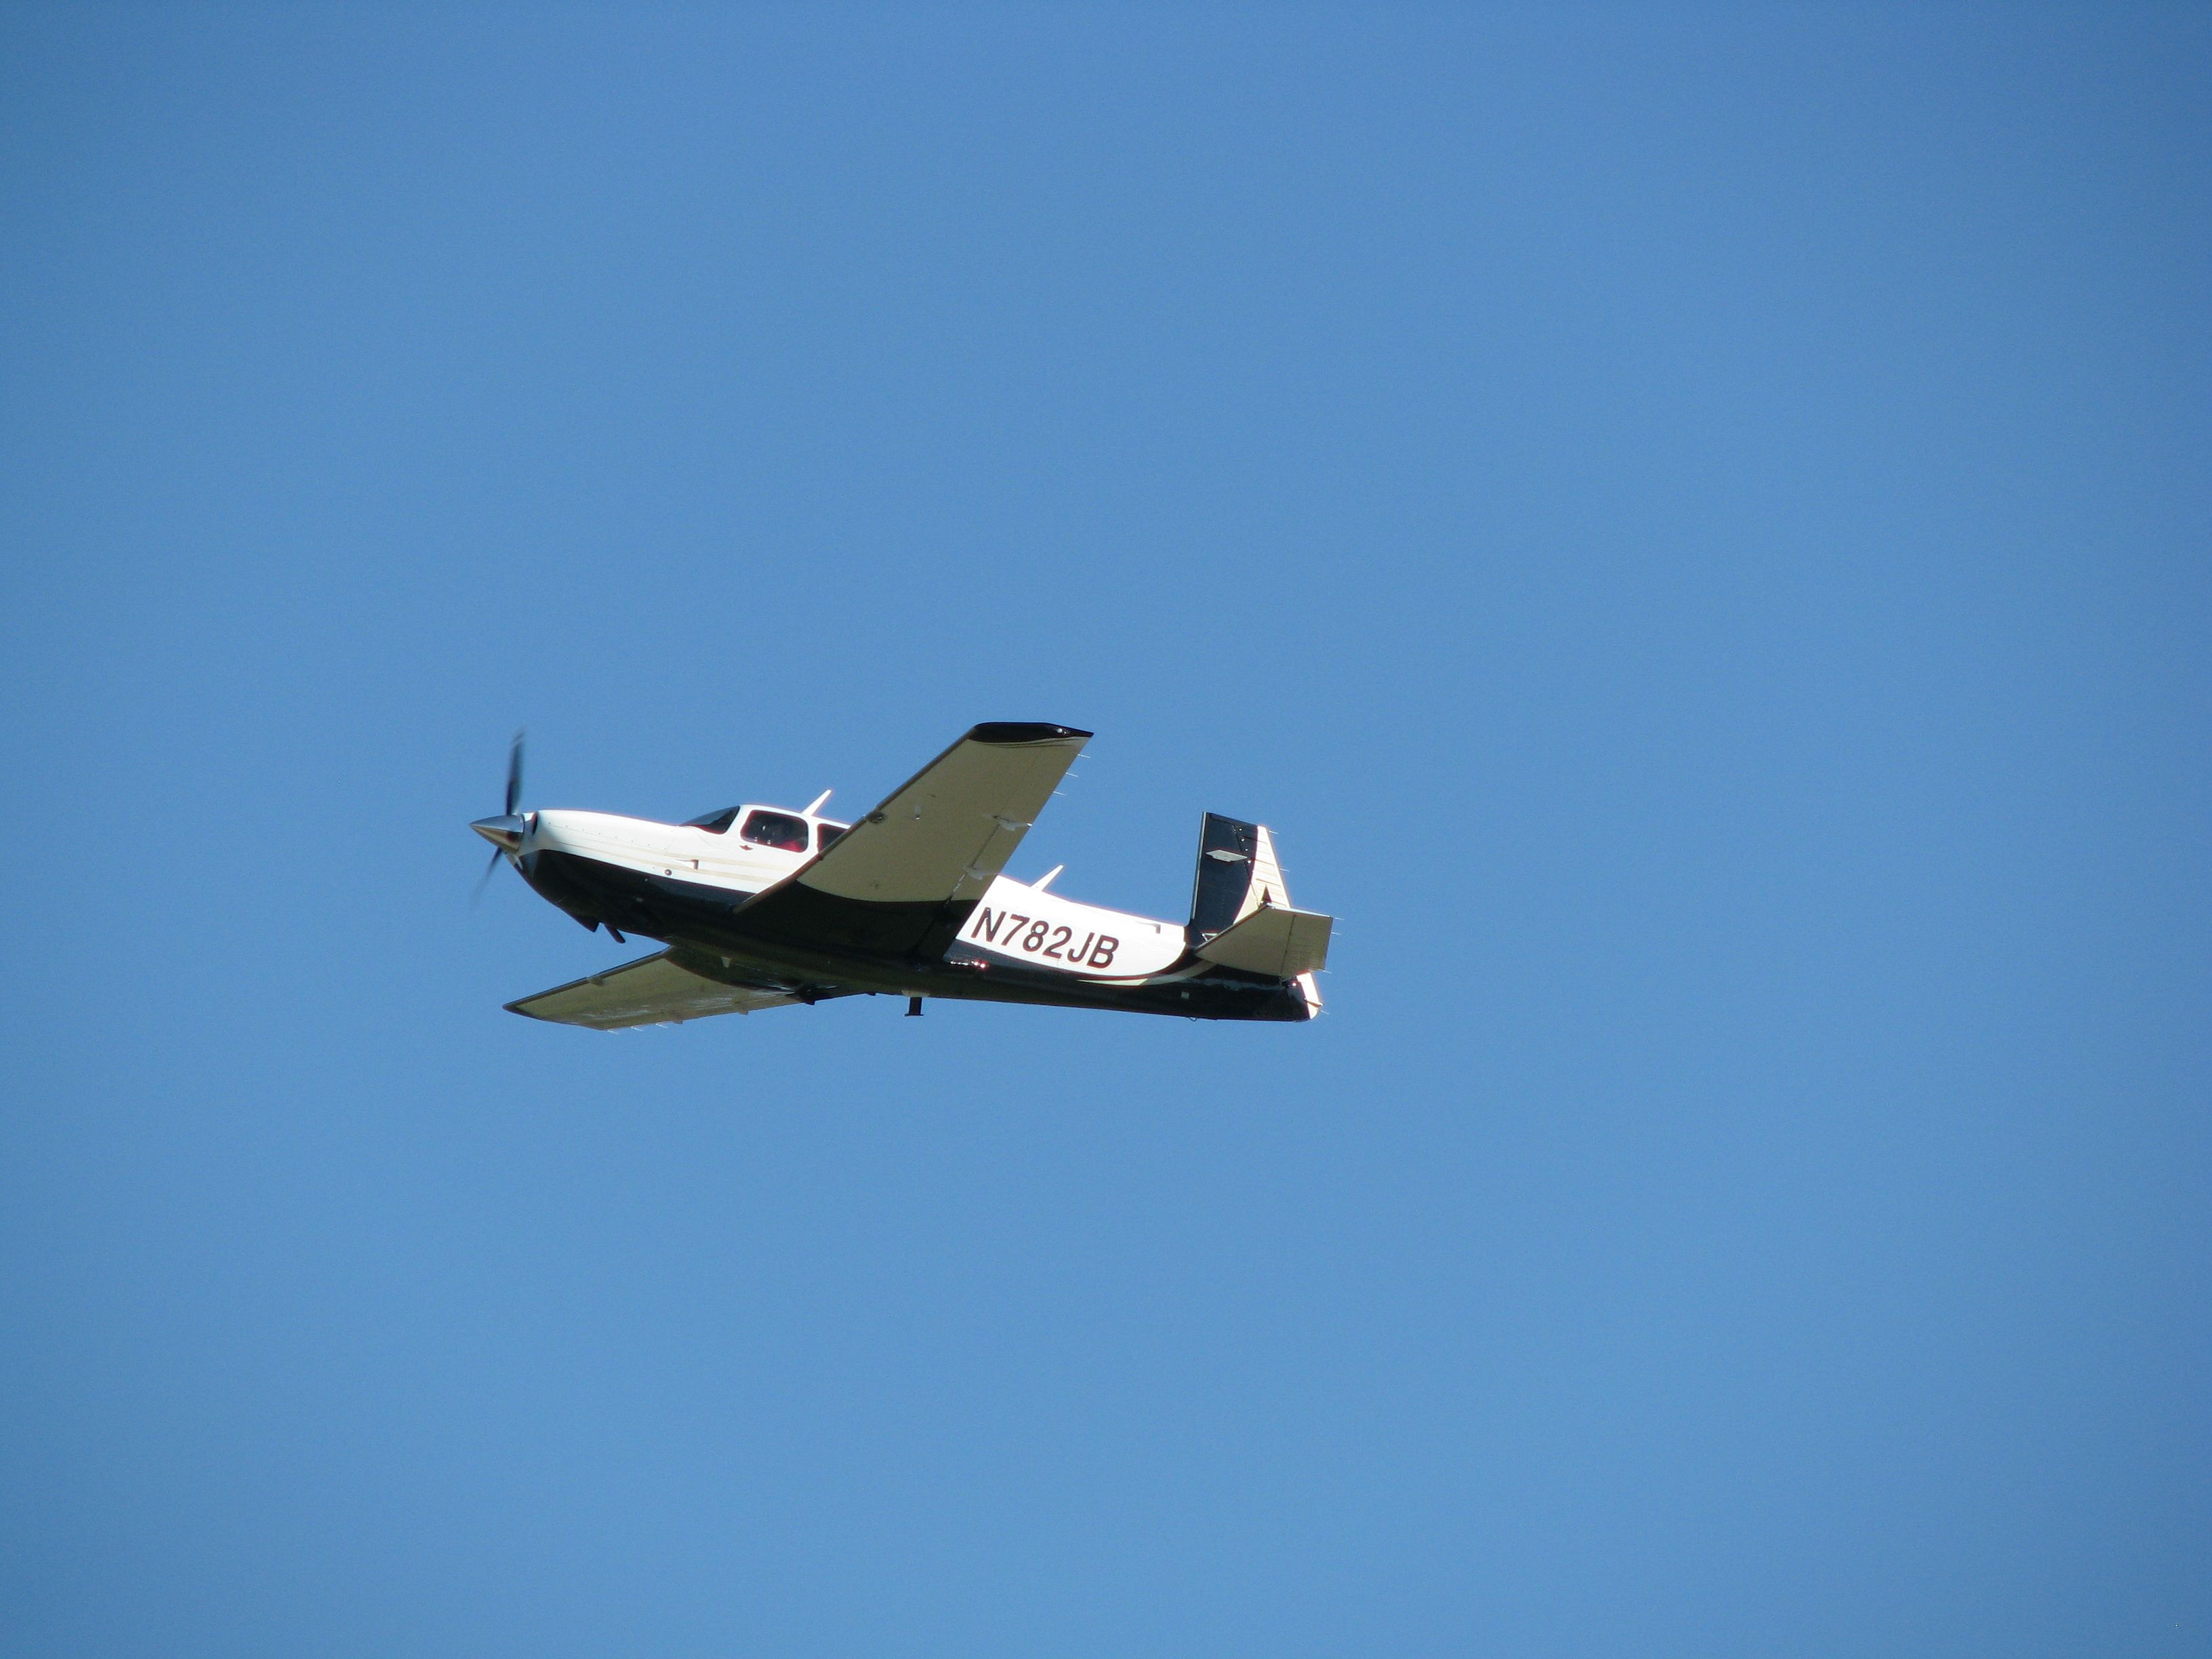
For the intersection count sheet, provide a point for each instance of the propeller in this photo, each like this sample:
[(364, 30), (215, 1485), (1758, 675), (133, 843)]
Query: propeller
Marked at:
[(505, 832)]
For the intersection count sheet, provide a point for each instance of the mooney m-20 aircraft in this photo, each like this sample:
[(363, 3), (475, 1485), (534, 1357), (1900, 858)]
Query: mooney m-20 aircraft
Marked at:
[(761, 907)]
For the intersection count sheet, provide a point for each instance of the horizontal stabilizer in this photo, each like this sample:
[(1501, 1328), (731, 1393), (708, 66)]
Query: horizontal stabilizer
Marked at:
[(1274, 940)]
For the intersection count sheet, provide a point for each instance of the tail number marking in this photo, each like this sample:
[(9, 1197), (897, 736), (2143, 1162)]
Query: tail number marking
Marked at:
[(1042, 939)]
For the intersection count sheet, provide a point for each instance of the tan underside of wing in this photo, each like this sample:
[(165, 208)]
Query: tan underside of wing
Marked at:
[(650, 991), (949, 830)]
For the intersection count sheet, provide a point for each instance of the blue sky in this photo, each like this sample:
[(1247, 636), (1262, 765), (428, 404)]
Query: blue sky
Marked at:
[(1691, 526)]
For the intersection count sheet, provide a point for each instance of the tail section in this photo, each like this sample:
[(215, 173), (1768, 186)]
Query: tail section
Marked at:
[(1240, 908)]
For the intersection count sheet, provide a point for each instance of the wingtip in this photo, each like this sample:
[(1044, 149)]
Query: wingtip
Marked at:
[(1024, 732)]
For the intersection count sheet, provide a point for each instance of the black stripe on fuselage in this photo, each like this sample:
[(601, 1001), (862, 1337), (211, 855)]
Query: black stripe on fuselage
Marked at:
[(635, 901), (800, 917)]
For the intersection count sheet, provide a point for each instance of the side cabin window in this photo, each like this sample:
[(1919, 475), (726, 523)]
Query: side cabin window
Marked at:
[(828, 832), (783, 831), (715, 824)]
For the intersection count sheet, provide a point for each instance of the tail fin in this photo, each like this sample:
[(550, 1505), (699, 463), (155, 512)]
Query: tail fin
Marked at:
[(1240, 907), (1236, 874)]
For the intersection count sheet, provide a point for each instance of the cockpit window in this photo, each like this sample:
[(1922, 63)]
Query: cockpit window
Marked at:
[(828, 833), (715, 824), (779, 830)]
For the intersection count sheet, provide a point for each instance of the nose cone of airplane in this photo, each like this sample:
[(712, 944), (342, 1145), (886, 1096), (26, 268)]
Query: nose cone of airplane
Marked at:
[(504, 832)]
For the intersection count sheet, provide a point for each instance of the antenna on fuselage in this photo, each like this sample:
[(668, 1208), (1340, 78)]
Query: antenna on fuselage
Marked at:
[(818, 799)]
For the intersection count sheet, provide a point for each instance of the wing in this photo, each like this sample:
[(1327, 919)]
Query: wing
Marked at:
[(902, 879), (650, 991)]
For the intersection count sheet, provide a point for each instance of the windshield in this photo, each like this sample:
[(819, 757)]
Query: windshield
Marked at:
[(715, 824)]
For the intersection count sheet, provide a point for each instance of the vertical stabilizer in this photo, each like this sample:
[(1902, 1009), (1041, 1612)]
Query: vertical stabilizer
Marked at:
[(1267, 884), (1238, 873)]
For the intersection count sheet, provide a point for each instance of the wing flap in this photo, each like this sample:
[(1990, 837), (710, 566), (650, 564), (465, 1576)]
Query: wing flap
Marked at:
[(653, 991)]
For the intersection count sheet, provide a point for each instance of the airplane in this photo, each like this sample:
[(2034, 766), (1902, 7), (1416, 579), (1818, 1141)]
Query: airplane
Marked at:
[(762, 907)]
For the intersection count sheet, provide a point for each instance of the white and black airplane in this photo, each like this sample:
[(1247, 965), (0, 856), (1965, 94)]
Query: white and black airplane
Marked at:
[(761, 907)]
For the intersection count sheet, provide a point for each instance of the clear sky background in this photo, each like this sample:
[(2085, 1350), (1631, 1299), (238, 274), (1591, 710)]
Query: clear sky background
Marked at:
[(1692, 526)]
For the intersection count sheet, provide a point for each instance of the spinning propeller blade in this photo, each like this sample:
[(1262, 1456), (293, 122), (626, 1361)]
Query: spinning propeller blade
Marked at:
[(515, 774), (504, 832)]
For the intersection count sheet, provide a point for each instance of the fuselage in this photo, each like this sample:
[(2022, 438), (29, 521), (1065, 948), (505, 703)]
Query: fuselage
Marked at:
[(687, 884)]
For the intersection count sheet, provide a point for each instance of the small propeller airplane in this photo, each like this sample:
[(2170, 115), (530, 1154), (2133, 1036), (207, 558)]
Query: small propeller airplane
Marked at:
[(761, 907)]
